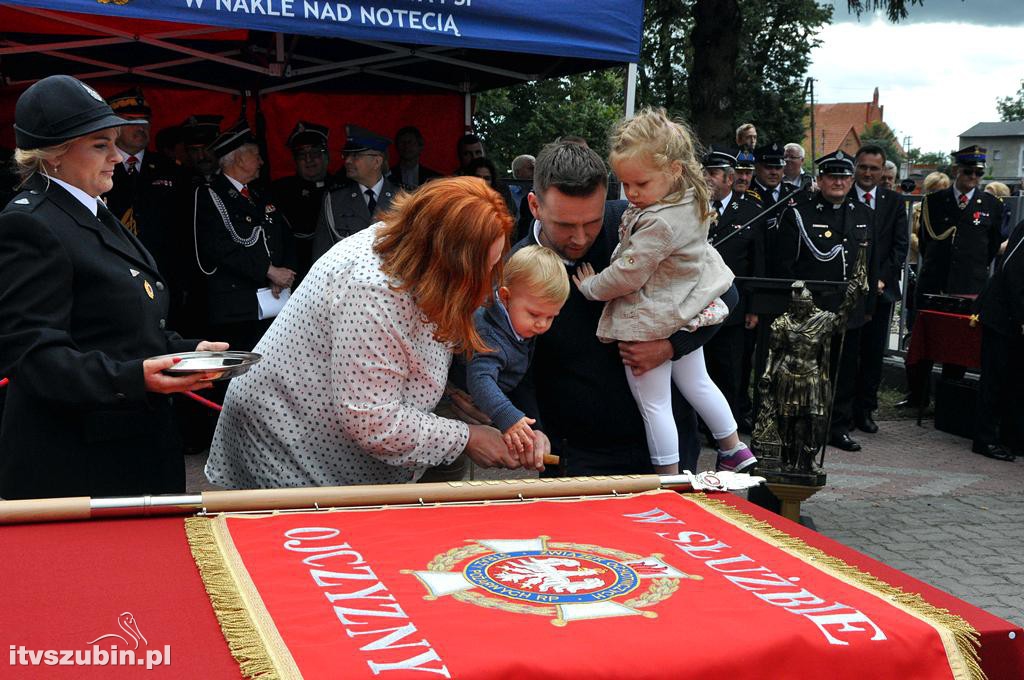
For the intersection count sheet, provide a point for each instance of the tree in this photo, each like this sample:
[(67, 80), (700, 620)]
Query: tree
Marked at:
[(523, 118), (742, 61), (1012, 108), (779, 36), (878, 133), (894, 9), (917, 157)]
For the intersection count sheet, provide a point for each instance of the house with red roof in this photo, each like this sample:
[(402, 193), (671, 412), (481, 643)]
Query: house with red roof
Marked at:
[(839, 126)]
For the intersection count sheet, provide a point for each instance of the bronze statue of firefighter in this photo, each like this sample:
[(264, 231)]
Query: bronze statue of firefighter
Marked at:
[(795, 390)]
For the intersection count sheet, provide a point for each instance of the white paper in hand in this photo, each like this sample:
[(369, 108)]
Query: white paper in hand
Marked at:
[(271, 306)]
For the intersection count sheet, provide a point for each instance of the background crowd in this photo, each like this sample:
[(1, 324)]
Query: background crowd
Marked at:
[(228, 243)]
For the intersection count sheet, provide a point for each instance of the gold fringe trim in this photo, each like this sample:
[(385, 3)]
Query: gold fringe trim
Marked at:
[(966, 664), (239, 629)]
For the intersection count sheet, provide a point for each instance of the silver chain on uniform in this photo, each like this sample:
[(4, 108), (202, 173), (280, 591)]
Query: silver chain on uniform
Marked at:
[(819, 255), (257, 231)]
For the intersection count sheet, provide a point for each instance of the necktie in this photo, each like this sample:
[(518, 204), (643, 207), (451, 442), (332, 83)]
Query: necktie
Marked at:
[(245, 191), (717, 205), (963, 201), (371, 201), (131, 162), (867, 199), (112, 224), (775, 195)]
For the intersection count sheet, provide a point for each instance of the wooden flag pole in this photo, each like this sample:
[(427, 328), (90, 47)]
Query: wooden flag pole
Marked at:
[(320, 498)]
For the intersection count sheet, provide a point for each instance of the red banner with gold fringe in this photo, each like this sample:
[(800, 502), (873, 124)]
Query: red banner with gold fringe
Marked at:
[(652, 585)]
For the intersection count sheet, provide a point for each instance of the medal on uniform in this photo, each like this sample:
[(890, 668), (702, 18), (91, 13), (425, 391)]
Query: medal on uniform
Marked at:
[(828, 234), (149, 289)]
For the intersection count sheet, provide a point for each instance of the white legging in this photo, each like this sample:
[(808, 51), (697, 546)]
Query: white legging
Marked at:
[(653, 394)]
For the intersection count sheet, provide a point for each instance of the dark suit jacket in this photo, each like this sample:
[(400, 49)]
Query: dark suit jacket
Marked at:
[(959, 262), (891, 239), (344, 212), (577, 384), (425, 175), (771, 218), (826, 228), (744, 252), (1001, 304), (145, 204), (81, 305), (235, 271)]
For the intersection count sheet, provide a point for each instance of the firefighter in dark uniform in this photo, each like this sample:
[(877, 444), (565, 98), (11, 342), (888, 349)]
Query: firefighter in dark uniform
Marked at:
[(242, 242), (144, 186), (197, 133), (958, 239), (1001, 389), (300, 196), (820, 235), (83, 314), (367, 193), (769, 188), (741, 245), (744, 175), (741, 187)]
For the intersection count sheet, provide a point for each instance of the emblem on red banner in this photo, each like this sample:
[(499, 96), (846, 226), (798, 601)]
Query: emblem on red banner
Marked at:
[(565, 581)]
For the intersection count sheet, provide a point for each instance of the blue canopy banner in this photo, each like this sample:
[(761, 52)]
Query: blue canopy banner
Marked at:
[(608, 30)]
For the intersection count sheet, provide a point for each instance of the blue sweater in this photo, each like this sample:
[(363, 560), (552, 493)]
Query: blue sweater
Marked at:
[(489, 376)]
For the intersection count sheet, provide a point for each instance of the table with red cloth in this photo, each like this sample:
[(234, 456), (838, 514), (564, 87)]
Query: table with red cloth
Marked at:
[(945, 338), (67, 584)]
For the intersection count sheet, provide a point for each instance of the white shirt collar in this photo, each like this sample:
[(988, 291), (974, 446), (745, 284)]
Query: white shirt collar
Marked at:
[(234, 182), (861, 192), (725, 202), (124, 161), (376, 188), (536, 237), (957, 194), (85, 199), (410, 176)]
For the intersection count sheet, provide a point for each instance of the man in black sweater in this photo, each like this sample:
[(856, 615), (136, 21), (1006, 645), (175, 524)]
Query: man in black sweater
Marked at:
[(577, 384)]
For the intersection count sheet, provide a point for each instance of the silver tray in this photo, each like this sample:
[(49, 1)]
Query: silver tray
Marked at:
[(226, 364)]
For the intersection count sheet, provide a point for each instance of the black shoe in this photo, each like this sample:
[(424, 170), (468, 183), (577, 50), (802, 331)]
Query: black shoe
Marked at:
[(993, 451), (843, 441), (865, 423), (911, 403)]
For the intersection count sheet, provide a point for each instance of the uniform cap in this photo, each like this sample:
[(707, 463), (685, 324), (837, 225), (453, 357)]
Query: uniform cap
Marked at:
[(835, 163), (744, 160), (308, 134), (200, 130), (234, 137), (360, 139), (58, 109), (719, 159), (769, 155), (971, 157), (130, 103)]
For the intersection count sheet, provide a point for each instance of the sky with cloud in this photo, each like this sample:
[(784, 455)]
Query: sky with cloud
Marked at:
[(938, 72)]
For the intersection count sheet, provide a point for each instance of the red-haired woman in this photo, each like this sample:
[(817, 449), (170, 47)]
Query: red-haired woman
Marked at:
[(358, 359)]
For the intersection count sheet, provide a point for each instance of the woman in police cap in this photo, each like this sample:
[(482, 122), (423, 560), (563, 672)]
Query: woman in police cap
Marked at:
[(82, 306)]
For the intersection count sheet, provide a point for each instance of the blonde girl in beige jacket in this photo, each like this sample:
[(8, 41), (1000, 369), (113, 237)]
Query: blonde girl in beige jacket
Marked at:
[(664, 276)]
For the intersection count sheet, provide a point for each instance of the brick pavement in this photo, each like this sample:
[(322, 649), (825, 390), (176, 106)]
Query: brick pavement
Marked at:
[(916, 499), (920, 501)]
